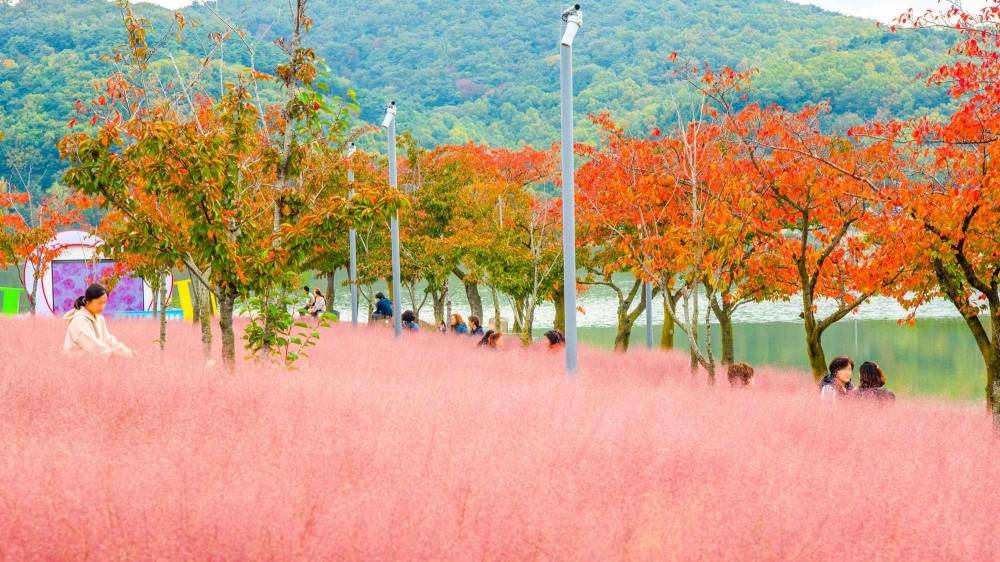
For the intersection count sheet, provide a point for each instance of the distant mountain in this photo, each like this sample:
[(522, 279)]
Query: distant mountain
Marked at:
[(485, 70)]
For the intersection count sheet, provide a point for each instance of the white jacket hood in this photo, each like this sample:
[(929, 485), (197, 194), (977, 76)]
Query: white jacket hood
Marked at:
[(73, 313)]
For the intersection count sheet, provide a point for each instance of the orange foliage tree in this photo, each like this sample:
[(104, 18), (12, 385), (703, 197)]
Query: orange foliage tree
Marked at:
[(29, 220), (949, 193), (220, 186)]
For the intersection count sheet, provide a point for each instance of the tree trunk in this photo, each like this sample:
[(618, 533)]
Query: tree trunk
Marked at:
[(475, 299), (226, 304), (438, 297), (331, 289), (624, 336), (559, 299), (33, 295), (496, 308), (667, 332), (988, 348), (726, 331), (995, 397), (204, 316), (196, 297), (527, 324), (163, 312), (817, 358)]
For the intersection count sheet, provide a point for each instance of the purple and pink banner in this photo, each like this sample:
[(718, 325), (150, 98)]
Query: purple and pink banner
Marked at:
[(71, 278)]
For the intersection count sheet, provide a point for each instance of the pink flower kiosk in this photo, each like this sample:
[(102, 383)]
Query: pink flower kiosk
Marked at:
[(77, 264)]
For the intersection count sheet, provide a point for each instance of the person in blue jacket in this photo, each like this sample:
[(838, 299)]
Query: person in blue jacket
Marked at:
[(383, 307), (458, 325)]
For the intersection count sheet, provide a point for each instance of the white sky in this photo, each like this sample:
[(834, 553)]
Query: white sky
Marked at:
[(882, 10), (887, 10)]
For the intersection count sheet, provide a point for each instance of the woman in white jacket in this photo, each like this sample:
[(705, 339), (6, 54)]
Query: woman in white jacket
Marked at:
[(87, 332)]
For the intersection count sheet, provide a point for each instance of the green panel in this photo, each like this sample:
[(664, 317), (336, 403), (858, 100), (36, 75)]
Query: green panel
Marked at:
[(10, 301)]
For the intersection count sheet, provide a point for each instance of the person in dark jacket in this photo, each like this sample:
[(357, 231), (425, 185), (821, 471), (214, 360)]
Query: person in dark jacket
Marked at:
[(873, 383), (475, 326), (556, 339), (838, 382), (383, 307)]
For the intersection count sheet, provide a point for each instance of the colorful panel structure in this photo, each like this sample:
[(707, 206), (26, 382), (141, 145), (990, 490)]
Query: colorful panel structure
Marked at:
[(71, 278)]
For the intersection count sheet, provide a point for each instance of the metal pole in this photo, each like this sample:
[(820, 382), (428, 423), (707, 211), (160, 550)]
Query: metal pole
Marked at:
[(648, 287), (397, 290), (353, 265), (569, 204)]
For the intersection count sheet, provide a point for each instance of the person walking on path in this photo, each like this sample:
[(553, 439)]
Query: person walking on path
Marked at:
[(87, 333), (837, 383), (872, 383)]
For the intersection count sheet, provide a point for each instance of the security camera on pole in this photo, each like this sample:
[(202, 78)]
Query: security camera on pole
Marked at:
[(353, 241), (389, 124), (572, 19)]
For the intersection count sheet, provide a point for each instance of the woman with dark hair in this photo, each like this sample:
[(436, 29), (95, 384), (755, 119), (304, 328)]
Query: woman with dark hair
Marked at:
[(318, 305), (556, 339), (475, 326), (873, 383), (838, 382), (410, 321), (87, 332), (494, 340)]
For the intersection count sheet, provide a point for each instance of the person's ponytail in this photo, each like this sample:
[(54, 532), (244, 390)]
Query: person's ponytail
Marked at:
[(92, 293)]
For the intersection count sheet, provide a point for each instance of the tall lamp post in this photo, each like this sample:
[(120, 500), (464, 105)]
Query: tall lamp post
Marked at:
[(389, 124), (352, 235), (572, 19)]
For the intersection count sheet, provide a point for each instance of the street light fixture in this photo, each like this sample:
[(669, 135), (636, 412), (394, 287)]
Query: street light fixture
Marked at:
[(572, 19), (389, 124), (353, 240)]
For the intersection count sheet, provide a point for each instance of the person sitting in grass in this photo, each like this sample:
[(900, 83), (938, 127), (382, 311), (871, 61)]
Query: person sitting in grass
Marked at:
[(383, 307), (740, 375), (410, 321), (556, 339), (87, 333), (319, 304), (873, 383), (308, 302), (487, 338), (838, 382), (494, 340), (458, 325), (475, 326)]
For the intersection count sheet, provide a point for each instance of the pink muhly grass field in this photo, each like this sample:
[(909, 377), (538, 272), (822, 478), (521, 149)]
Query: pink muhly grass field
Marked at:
[(429, 448)]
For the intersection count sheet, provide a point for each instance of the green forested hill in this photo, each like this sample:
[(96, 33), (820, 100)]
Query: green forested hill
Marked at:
[(485, 70)]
